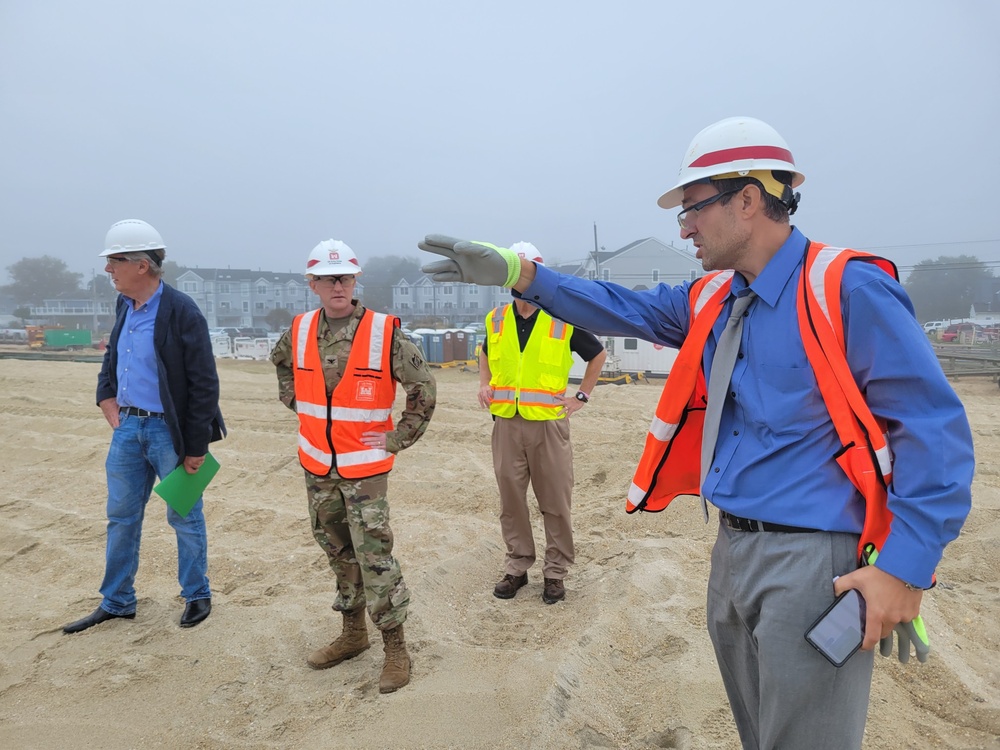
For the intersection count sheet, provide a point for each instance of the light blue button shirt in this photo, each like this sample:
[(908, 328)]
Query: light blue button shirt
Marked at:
[(138, 381), (774, 455)]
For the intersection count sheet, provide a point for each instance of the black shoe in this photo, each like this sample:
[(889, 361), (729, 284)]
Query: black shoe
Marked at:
[(96, 617), (553, 591), (195, 612), (509, 585)]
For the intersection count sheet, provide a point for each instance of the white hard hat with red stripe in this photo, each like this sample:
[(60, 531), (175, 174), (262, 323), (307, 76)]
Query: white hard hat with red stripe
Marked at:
[(332, 258), (528, 251), (733, 147)]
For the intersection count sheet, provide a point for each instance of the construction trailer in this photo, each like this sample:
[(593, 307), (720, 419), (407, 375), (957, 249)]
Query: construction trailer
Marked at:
[(630, 356)]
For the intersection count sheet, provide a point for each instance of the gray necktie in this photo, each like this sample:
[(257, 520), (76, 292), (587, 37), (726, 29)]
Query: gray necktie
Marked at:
[(722, 372)]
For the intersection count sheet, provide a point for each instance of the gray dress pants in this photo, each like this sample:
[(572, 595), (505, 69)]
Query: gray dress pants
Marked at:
[(765, 589)]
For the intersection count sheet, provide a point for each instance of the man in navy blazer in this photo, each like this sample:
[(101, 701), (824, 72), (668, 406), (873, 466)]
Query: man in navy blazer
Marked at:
[(159, 390)]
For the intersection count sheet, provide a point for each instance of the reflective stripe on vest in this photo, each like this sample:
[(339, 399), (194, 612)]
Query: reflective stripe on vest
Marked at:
[(331, 426), (495, 320), (531, 382), (866, 457), (670, 464)]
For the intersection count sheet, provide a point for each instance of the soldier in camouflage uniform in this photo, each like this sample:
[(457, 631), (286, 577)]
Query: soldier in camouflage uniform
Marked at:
[(350, 517)]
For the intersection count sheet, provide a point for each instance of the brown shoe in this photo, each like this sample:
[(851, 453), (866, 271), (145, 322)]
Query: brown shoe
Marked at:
[(507, 588), (553, 591), (396, 670), (353, 640)]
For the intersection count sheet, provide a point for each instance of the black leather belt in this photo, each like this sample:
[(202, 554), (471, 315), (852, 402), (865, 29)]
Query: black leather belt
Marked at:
[(135, 411), (747, 524)]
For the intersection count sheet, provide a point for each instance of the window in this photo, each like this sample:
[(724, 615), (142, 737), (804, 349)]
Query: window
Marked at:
[(223, 288), (223, 305), (190, 286), (694, 274), (277, 292), (262, 289), (606, 274), (473, 290), (656, 276), (209, 305), (209, 286), (591, 275), (404, 291), (258, 306), (246, 307), (428, 306), (245, 288), (289, 306), (631, 345), (404, 306), (449, 290)]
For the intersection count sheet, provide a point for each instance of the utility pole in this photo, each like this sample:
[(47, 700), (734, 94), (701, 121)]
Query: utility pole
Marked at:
[(93, 290), (597, 256)]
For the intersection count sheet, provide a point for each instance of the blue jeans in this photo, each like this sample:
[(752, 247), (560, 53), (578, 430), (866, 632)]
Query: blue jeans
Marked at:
[(141, 450)]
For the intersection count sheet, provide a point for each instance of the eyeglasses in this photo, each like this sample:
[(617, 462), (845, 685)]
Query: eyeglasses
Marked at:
[(689, 215), (117, 259), (344, 279)]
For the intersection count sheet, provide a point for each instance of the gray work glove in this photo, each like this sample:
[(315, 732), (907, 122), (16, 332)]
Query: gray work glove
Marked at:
[(907, 633), (471, 262)]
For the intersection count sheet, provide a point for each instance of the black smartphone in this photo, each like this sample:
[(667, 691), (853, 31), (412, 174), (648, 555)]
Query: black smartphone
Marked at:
[(839, 631)]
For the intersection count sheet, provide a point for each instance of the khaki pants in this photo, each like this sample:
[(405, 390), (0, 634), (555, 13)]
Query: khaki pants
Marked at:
[(539, 452)]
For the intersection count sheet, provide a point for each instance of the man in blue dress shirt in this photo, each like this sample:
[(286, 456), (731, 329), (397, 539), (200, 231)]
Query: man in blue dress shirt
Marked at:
[(790, 519), (159, 390)]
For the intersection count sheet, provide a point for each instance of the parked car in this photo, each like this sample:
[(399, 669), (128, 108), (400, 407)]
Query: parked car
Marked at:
[(955, 331), (935, 325), (253, 333)]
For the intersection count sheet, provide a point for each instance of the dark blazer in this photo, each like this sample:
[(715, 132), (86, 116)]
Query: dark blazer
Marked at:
[(189, 382)]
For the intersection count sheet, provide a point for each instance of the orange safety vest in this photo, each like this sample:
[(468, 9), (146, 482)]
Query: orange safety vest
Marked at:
[(671, 462), (330, 425)]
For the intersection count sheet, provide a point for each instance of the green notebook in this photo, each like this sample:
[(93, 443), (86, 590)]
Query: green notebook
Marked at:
[(181, 490)]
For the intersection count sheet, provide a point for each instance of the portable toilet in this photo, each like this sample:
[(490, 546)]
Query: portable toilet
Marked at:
[(434, 346), (423, 338), (461, 346), (448, 353)]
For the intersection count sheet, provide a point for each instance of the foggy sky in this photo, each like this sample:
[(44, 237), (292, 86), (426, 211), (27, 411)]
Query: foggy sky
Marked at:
[(246, 132)]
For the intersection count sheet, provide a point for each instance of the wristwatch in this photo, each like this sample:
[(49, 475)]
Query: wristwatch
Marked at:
[(581, 396)]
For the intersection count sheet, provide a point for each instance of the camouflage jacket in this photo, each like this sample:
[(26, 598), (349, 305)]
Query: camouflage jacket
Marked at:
[(408, 368)]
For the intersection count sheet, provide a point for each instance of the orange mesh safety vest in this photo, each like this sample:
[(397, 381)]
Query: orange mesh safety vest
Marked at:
[(330, 426), (671, 461)]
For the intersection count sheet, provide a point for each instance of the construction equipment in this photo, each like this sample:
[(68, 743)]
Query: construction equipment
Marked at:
[(56, 337)]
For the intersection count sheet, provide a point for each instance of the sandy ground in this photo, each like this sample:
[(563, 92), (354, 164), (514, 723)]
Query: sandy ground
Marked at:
[(624, 662)]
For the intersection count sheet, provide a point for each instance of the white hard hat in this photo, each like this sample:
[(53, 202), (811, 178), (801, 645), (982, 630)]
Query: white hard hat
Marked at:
[(131, 236), (733, 147), (529, 251), (332, 258)]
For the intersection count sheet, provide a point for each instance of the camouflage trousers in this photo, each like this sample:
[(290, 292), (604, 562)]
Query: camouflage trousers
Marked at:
[(350, 521)]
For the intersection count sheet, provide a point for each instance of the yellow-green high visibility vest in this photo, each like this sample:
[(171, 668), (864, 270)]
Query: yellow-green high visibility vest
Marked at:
[(529, 382)]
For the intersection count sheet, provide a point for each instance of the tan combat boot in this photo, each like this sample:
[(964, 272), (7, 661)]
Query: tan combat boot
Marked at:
[(396, 670), (353, 640)]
